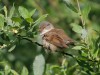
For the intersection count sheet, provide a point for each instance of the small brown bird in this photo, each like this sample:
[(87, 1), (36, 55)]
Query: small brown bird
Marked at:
[(53, 38)]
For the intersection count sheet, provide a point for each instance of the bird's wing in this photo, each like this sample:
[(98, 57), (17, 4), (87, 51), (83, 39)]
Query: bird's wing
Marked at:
[(64, 36), (53, 38)]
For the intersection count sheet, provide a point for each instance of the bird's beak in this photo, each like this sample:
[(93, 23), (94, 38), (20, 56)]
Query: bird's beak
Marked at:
[(39, 30), (41, 34)]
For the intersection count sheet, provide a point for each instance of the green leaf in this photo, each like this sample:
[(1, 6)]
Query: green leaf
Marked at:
[(96, 50), (71, 69), (76, 28), (23, 32), (12, 48), (14, 72), (84, 64), (11, 35), (39, 65), (24, 71), (85, 11), (32, 12), (69, 5), (9, 21), (1, 21), (96, 53), (77, 47), (84, 54), (16, 19), (30, 20), (7, 69), (1, 72), (5, 11), (12, 11), (40, 19), (24, 12)]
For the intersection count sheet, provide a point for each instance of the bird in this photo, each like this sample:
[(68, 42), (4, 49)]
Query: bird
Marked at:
[(53, 38)]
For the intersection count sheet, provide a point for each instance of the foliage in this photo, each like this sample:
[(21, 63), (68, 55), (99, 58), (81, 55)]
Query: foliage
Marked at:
[(20, 54)]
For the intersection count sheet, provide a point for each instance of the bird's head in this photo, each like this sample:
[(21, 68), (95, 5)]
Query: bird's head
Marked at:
[(45, 27)]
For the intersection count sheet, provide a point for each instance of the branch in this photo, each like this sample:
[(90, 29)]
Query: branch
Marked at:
[(32, 41), (67, 54), (29, 39), (80, 14)]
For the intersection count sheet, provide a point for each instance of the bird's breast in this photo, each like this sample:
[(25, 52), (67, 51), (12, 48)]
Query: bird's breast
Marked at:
[(49, 46)]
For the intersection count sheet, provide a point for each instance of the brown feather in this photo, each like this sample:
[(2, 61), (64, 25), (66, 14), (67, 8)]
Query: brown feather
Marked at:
[(55, 39), (61, 34)]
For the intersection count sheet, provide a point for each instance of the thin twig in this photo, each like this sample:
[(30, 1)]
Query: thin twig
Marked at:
[(65, 53), (80, 14), (32, 41)]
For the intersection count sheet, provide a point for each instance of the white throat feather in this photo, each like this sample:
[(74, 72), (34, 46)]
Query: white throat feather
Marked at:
[(45, 31)]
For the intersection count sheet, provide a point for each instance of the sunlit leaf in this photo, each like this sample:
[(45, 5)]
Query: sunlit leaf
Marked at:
[(85, 11), (77, 47), (23, 33), (10, 35), (1, 21), (17, 19), (7, 69), (24, 12), (39, 65), (1, 72), (32, 12), (29, 20), (12, 11), (5, 11), (96, 44), (14, 72), (41, 18), (69, 5), (12, 48), (24, 71), (84, 54), (83, 63), (9, 21), (96, 53), (76, 28), (71, 70)]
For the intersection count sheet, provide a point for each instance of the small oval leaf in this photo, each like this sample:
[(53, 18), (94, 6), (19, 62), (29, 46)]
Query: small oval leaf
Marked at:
[(24, 71), (77, 48), (85, 11), (39, 65), (5, 11), (24, 12), (12, 11), (14, 72), (41, 18), (76, 28), (32, 12), (1, 21), (12, 48), (69, 5)]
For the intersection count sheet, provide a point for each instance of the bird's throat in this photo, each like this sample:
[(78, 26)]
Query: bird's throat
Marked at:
[(45, 31)]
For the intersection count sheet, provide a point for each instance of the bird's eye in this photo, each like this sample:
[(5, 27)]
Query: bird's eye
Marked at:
[(48, 24)]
